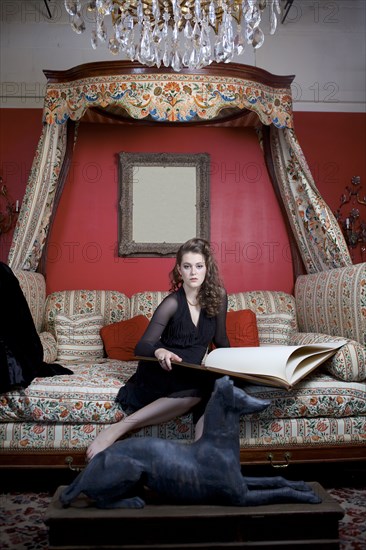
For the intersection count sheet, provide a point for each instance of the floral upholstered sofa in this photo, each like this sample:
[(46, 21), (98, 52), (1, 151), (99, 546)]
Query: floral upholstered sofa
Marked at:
[(51, 422)]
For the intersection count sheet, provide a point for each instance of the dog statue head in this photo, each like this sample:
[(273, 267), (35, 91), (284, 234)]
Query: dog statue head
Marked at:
[(227, 399)]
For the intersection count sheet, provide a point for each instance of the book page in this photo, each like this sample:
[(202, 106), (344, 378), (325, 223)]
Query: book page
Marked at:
[(288, 364), (304, 359), (264, 360)]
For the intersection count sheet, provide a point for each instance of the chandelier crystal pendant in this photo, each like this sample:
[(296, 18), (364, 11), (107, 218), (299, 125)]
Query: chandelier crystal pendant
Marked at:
[(175, 33)]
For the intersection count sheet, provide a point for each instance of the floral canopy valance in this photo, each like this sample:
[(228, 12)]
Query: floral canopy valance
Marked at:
[(161, 96)]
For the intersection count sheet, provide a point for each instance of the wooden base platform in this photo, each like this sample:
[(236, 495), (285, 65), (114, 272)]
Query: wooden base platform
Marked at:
[(159, 526)]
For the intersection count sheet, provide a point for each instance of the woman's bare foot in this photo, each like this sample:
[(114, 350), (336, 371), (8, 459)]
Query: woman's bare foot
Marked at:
[(106, 438)]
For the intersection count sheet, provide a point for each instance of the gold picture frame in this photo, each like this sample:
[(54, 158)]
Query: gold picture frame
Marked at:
[(164, 201)]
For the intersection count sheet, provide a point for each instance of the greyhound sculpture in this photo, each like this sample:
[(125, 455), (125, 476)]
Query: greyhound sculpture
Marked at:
[(207, 471)]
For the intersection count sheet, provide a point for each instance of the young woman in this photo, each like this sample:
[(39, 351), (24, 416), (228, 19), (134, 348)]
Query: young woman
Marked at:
[(183, 326)]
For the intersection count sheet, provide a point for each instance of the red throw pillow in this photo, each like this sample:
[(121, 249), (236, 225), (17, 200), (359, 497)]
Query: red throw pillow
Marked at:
[(241, 328), (120, 338)]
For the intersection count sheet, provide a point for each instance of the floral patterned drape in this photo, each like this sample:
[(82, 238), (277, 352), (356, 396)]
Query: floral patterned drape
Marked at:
[(316, 231), (33, 222), (171, 97)]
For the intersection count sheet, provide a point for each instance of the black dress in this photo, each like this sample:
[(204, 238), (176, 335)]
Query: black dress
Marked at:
[(172, 328)]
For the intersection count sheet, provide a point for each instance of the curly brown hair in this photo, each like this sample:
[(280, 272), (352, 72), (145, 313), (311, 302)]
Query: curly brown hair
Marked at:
[(212, 290)]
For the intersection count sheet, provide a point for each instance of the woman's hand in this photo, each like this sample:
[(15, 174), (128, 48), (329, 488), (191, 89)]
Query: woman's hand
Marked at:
[(165, 357)]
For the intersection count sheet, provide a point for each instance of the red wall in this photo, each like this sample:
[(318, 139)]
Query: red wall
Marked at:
[(245, 218), (247, 230), (19, 134), (334, 145)]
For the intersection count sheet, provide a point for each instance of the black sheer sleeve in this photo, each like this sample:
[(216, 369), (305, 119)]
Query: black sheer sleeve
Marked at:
[(150, 340), (221, 339)]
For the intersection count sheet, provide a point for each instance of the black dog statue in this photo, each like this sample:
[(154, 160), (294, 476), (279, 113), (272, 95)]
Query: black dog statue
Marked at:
[(207, 471)]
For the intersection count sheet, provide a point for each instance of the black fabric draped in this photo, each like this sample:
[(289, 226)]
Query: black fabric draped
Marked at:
[(21, 351)]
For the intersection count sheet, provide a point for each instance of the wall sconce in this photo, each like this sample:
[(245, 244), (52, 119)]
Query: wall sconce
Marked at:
[(353, 227), (9, 215)]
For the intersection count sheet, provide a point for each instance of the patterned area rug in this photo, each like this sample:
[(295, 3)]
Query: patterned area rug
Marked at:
[(22, 526), (352, 528)]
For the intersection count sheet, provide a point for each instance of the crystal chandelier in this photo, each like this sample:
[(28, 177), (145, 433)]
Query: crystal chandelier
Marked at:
[(175, 33)]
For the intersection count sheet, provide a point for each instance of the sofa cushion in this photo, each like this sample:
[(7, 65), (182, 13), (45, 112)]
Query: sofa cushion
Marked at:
[(120, 338), (241, 328), (78, 337), (145, 303), (49, 345), (333, 302), (263, 302), (260, 302), (88, 397), (112, 305), (33, 286), (275, 328), (348, 364)]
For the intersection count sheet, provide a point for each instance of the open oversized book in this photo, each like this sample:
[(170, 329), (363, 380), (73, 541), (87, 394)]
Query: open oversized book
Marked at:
[(279, 366)]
